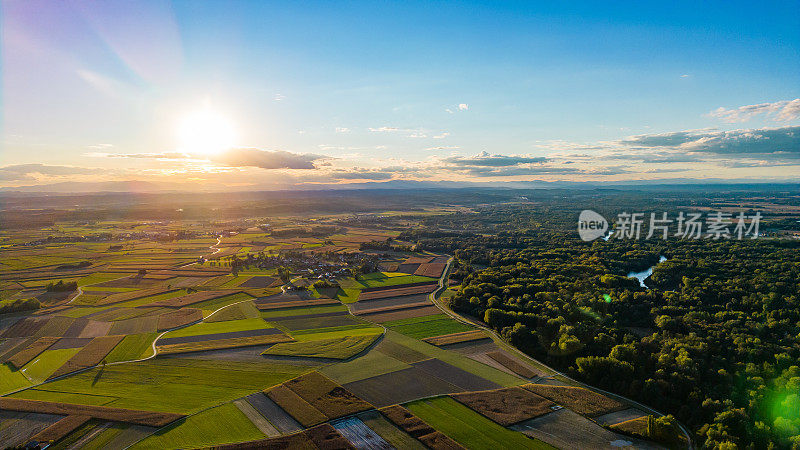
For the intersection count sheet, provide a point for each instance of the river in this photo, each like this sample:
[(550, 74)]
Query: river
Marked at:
[(641, 276)]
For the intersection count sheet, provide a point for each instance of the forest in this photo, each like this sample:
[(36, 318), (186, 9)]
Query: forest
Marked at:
[(714, 339)]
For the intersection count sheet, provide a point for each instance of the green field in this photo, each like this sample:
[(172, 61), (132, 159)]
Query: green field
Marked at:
[(219, 327), (304, 310), (456, 359), (394, 323), (99, 277), (469, 428), (11, 379), (220, 425), (372, 364), (46, 363), (134, 346), (427, 328), (379, 279), (167, 385), (390, 433), (214, 304), (336, 332), (151, 299), (337, 348)]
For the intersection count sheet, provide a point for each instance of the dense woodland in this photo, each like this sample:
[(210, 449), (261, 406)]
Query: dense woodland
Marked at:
[(715, 341)]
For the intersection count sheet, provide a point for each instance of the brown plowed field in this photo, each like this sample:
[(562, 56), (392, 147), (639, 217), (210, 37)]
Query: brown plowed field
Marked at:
[(61, 428), (149, 418), (456, 338), (418, 428), (223, 344), (88, 356), (505, 406), (402, 314), (582, 401), (179, 318), (320, 437), (33, 350), (190, 299), (399, 292), (132, 295), (511, 364)]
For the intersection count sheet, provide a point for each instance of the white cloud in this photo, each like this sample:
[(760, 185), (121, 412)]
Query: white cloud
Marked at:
[(441, 136), (279, 97), (342, 130), (384, 129), (784, 111), (451, 147), (463, 106)]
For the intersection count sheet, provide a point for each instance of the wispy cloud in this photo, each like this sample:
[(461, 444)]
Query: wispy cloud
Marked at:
[(783, 111), (446, 147), (28, 172), (236, 157), (488, 160)]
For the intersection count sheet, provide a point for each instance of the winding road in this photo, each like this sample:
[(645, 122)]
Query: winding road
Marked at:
[(499, 341)]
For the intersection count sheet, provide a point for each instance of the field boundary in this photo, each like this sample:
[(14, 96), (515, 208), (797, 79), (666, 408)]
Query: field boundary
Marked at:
[(499, 341)]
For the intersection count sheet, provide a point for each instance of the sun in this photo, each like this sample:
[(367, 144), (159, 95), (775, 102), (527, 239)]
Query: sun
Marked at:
[(206, 132)]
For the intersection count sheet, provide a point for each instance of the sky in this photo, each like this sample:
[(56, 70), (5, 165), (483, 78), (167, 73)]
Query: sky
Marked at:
[(262, 95)]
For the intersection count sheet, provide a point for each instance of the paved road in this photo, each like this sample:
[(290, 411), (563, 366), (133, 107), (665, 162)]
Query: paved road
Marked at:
[(515, 351)]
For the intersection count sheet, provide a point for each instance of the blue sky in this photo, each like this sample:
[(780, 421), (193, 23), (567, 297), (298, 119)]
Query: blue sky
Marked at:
[(338, 92)]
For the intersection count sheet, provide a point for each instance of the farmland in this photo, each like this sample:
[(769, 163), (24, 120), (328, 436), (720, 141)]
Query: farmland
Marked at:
[(467, 427), (260, 336)]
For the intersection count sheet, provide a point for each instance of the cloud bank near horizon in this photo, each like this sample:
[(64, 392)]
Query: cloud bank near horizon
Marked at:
[(760, 153)]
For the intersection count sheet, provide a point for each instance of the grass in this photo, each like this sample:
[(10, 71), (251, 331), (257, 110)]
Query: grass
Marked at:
[(45, 364), (103, 439), (468, 427), (390, 433), (429, 328), (394, 323), (336, 348), (239, 311), (11, 379), (134, 346), (80, 311), (219, 327), (456, 359), (65, 397), (303, 310), (372, 364), (232, 282), (313, 324), (634, 427), (151, 299), (314, 331), (336, 332), (379, 279), (98, 277), (166, 385), (351, 287), (90, 289), (217, 303), (220, 425)]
